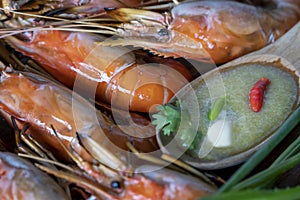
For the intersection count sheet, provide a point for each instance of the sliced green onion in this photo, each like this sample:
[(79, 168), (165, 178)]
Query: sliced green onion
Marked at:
[(216, 108)]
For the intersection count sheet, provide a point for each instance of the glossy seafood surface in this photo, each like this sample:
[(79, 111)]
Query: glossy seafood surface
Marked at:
[(20, 179), (109, 74), (210, 31), (42, 103), (116, 60)]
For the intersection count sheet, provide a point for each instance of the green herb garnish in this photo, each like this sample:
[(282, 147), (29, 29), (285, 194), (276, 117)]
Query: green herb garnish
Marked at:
[(168, 118)]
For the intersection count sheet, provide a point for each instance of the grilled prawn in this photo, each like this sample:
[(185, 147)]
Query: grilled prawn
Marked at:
[(30, 98), (119, 79), (210, 31), (40, 103), (20, 179)]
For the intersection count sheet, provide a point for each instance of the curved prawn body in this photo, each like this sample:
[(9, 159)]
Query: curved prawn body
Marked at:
[(42, 103), (210, 31), (34, 100), (119, 79), (20, 179)]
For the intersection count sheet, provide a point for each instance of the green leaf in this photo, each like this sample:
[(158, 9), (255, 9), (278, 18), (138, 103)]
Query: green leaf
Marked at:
[(167, 119)]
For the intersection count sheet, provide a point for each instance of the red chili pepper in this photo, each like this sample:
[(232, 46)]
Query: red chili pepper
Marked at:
[(257, 94)]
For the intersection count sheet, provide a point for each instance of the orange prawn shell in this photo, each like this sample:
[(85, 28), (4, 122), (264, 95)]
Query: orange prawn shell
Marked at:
[(212, 24), (21, 180), (70, 57), (148, 189), (40, 103), (207, 31), (229, 30), (146, 86), (30, 102), (163, 183)]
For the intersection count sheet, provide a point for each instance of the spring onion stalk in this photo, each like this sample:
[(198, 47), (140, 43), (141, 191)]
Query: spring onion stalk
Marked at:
[(267, 175), (290, 151), (276, 194), (261, 154)]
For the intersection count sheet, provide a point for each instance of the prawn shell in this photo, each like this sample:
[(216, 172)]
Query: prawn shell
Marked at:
[(176, 182), (41, 103), (111, 74), (20, 179), (207, 31), (229, 30)]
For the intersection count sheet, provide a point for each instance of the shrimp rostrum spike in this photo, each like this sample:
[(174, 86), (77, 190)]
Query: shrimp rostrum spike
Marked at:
[(77, 60), (42, 104), (211, 31)]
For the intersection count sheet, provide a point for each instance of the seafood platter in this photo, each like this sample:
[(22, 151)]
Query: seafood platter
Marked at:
[(149, 99)]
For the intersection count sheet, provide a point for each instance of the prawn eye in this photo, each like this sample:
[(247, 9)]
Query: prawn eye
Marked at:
[(163, 32), (115, 184), (109, 9), (150, 53)]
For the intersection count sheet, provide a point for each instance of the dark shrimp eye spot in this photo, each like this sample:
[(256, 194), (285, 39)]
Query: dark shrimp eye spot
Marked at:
[(149, 53), (109, 9), (163, 32), (115, 184)]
